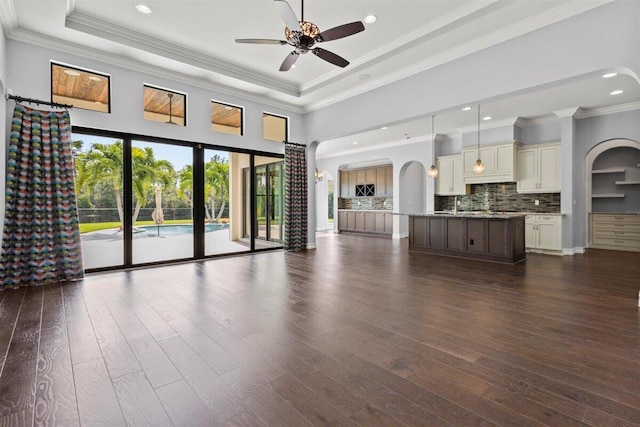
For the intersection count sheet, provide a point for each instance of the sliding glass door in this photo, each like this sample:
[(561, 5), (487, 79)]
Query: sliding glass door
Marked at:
[(269, 201), (100, 197), (149, 200), (162, 208)]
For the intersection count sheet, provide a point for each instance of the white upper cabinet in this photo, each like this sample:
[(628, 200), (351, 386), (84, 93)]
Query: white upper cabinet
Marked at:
[(539, 169), (499, 163), (450, 181)]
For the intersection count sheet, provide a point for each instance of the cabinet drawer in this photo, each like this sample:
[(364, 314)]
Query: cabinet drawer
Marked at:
[(616, 226), (616, 234), (616, 243), (615, 219)]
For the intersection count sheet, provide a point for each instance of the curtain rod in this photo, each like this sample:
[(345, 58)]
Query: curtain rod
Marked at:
[(38, 101)]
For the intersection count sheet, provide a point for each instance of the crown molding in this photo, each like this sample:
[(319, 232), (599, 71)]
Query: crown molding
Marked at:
[(568, 112), (453, 19), (613, 109), (538, 121), (26, 36), (391, 144), (8, 16), (107, 30), (543, 19), (511, 121)]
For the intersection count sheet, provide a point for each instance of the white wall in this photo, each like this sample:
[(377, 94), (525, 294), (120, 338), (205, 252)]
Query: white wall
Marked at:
[(572, 49), (31, 79)]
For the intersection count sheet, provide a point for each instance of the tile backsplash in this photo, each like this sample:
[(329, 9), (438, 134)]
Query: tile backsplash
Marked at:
[(500, 197), (367, 203)]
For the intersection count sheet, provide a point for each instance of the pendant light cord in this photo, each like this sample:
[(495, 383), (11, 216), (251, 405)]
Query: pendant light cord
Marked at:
[(478, 131)]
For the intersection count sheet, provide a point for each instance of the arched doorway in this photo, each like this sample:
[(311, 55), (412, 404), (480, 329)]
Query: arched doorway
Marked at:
[(325, 199)]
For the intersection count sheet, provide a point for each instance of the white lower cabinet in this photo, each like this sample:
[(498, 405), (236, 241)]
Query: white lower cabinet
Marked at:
[(543, 233)]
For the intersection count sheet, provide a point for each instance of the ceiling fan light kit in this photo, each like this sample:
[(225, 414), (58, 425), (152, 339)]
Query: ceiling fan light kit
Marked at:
[(303, 35)]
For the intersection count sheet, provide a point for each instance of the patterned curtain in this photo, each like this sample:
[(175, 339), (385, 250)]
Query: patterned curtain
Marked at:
[(41, 241), (295, 222)]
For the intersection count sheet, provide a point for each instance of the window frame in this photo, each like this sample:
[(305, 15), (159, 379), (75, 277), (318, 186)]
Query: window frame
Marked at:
[(242, 118), (286, 124), (107, 76), (164, 89)]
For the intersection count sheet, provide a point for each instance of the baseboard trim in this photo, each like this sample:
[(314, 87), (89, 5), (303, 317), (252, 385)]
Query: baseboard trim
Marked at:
[(573, 251), (311, 246), (400, 235)]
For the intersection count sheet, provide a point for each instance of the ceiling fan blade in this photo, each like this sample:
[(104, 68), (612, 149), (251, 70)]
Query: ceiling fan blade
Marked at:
[(289, 61), (261, 41), (287, 15), (340, 31), (330, 57)]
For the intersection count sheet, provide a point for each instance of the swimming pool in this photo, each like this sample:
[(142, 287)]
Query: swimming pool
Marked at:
[(174, 229)]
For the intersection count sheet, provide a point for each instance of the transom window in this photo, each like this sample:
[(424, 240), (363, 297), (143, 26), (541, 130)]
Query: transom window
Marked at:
[(81, 88), (164, 105), (226, 118), (275, 128)]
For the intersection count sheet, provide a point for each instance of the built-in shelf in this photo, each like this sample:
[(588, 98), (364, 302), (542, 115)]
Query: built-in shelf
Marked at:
[(610, 170), (627, 182), (608, 196)]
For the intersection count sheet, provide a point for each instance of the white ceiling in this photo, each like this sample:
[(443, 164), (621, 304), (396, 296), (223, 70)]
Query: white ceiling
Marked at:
[(195, 39)]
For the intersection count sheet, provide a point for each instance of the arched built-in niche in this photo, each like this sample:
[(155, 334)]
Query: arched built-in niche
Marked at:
[(612, 178), (412, 197)]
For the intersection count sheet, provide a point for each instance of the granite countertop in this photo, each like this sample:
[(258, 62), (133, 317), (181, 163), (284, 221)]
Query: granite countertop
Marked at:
[(366, 210), (468, 214)]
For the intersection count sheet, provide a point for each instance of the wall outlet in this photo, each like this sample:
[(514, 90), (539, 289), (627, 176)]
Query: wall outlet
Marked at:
[(458, 202), (537, 202)]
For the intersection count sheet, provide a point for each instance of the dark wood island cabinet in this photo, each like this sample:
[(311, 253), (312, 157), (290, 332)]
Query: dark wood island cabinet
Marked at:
[(489, 237)]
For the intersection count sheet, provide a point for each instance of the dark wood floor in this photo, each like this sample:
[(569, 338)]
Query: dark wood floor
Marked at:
[(358, 332)]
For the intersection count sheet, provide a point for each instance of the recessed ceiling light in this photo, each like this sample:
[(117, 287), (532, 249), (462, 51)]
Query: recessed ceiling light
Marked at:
[(617, 92), (355, 142), (143, 8), (609, 75), (364, 76), (72, 73), (384, 128), (370, 19), (293, 66), (466, 109), (95, 78), (486, 118)]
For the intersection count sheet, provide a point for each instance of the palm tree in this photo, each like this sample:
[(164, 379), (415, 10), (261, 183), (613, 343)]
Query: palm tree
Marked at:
[(103, 163), (216, 177)]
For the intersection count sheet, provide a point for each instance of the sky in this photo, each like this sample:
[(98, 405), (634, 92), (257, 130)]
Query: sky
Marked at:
[(178, 156)]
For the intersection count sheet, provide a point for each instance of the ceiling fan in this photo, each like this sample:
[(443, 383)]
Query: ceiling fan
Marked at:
[(303, 35)]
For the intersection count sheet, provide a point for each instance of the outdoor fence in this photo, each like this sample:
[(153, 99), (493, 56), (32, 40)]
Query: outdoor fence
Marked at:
[(97, 215)]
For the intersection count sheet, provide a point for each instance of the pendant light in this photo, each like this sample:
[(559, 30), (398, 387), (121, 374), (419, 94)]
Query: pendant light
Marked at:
[(478, 166), (433, 170)]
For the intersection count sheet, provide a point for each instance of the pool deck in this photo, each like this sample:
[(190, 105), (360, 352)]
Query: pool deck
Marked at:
[(105, 248)]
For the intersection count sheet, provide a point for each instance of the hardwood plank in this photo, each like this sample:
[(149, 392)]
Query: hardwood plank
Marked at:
[(17, 385), (183, 405), (55, 399), (139, 403), (245, 419), (83, 343), (154, 362), (215, 356), (206, 383), (97, 401), (115, 350), (9, 310), (270, 408)]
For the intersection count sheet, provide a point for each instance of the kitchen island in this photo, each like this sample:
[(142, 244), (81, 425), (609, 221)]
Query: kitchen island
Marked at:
[(497, 237)]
